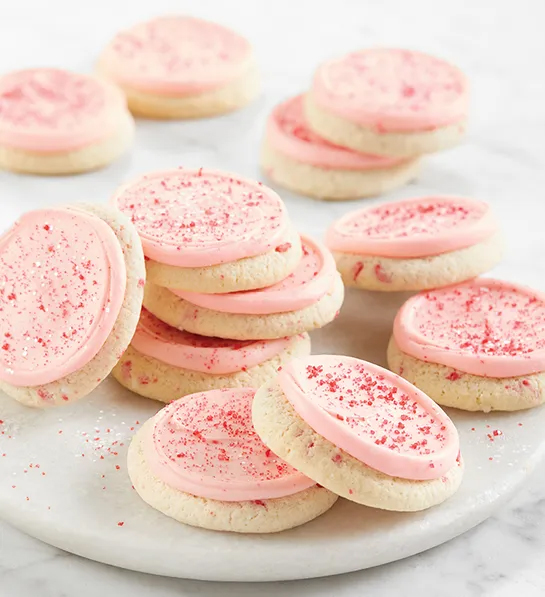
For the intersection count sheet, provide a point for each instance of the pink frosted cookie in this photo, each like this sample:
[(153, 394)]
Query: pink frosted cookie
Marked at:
[(360, 431), (478, 346), (389, 102), (71, 285), (199, 461), (210, 231), (181, 67), (307, 299), (163, 363), (57, 122), (415, 244), (300, 160)]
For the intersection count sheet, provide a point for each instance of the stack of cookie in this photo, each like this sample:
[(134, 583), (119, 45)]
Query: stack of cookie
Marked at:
[(232, 289), (362, 127)]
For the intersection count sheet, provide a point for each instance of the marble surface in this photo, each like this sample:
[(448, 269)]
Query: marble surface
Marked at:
[(501, 46)]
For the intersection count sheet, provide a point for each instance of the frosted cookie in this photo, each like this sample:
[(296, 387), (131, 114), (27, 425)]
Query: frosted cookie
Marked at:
[(163, 363), (181, 67), (57, 122), (298, 159), (71, 284), (389, 102), (478, 346), (360, 431), (307, 299), (415, 244), (208, 231), (200, 462)]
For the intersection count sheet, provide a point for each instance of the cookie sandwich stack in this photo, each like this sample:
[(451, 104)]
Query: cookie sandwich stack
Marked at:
[(232, 289)]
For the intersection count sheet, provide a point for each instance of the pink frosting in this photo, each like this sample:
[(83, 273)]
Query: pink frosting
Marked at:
[(62, 285), (413, 228), (205, 445), (314, 278), (373, 414), (199, 353), (177, 55), (484, 327), (51, 110), (288, 133), (392, 90), (198, 218)]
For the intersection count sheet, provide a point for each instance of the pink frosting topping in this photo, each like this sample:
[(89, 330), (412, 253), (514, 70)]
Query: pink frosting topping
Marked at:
[(288, 132), (313, 279), (49, 110), (177, 55), (205, 445), (62, 285), (198, 218), (373, 414), (392, 90), (485, 327), (199, 353), (413, 228)]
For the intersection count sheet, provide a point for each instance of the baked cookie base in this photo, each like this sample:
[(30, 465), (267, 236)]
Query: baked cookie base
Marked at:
[(80, 383), (331, 184), (366, 140), (249, 273), (184, 315), (451, 387), (290, 437), (92, 157), (389, 274), (257, 516), (154, 379)]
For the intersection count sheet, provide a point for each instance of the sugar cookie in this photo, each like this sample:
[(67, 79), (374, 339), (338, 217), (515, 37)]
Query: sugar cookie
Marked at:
[(389, 102), (298, 159), (181, 67), (71, 289), (57, 122), (361, 432), (208, 231), (415, 244), (478, 346), (200, 462), (306, 300), (163, 363)]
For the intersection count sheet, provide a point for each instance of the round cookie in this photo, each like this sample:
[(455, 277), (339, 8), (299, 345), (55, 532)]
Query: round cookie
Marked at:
[(57, 122), (298, 159), (415, 244), (361, 432), (478, 346), (200, 462), (179, 67), (209, 231), (389, 102), (163, 362), (71, 285), (308, 299)]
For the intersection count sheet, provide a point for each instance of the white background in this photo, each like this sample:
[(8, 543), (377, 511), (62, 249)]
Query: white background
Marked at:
[(500, 44)]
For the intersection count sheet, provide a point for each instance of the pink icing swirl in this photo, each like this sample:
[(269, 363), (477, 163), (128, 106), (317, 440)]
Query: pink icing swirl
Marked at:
[(314, 278), (392, 90), (177, 55), (199, 353), (62, 285), (288, 132), (49, 110), (374, 415), (198, 218), (485, 327), (417, 227), (205, 445)]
